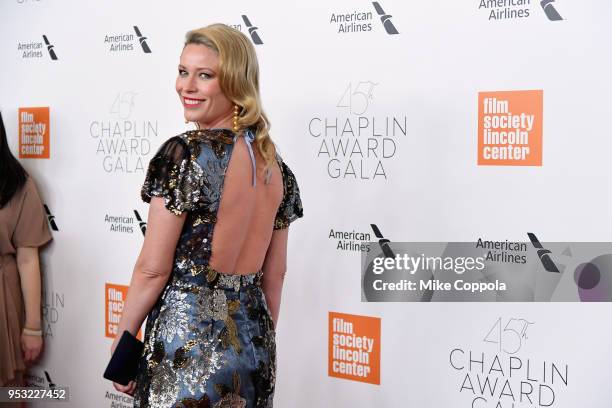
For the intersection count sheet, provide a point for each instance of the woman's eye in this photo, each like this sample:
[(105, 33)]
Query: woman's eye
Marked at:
[(204, 75), (182, 72)]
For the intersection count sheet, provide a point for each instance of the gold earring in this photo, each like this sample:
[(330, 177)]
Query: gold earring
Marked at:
[(235, 120)]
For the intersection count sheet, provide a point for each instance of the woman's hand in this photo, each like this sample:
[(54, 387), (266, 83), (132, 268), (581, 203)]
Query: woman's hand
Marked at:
[(128, 389), (114, 345), (131, 387), (31, 347)]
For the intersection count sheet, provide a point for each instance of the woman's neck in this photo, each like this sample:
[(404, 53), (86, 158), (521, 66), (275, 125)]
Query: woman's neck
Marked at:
[(223, 122)]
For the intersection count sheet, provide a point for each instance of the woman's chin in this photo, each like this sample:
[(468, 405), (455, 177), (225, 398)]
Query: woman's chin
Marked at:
[(191, 118)]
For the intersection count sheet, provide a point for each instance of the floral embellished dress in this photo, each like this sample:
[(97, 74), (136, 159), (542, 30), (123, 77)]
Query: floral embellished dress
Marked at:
[(209, 339)]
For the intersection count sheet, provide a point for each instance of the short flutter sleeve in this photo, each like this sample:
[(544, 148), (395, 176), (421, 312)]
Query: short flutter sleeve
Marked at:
[(31, 228), (175, 176), (290, 208)]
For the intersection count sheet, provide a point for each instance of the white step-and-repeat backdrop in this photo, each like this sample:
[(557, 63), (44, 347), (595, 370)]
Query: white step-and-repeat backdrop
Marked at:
[(404, 120)]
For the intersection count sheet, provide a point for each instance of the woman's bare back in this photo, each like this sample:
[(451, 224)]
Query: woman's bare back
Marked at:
[(246, 214)]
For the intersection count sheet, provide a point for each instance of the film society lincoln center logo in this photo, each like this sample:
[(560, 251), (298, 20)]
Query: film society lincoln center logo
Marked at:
[(114, 300), (510, 128), (34, 133), (354, 347)]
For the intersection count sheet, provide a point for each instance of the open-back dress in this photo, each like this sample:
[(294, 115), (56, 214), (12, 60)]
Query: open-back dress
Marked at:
[(209, 339)]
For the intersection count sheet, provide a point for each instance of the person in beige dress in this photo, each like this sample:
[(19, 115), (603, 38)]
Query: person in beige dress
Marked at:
[(23, 229)]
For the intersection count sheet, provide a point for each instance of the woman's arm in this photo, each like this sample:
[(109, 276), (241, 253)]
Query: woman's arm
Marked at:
[(29, 273), (274, 268), (153, 266), (151, 272)]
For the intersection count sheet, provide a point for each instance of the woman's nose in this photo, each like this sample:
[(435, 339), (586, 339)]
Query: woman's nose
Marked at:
[(189, 84)]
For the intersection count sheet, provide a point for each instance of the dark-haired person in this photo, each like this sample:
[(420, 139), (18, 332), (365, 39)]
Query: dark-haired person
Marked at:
[(23, 229), (212, 300)]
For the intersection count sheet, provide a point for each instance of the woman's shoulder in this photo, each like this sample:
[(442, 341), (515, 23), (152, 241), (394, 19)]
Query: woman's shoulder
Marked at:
[(23, 192), (187, 170), (192, 143), (29, 188), (192, 138), (189, 145), (222, 135), (175, 147)]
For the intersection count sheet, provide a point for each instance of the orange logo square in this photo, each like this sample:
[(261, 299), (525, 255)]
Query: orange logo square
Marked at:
[(354, 347), (114, 299), (34, 131), (510, 128)]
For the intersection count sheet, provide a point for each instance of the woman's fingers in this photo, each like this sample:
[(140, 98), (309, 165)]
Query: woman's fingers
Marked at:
[(32, 354), (132, 386), (119, 387), (127, 389), (28, 355), (31, 347)]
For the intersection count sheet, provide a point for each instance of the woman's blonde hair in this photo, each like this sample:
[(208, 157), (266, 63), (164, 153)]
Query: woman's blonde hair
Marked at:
[(239, 80)]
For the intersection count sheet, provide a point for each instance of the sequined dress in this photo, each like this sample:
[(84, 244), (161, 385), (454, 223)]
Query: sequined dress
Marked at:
[(209, 339)]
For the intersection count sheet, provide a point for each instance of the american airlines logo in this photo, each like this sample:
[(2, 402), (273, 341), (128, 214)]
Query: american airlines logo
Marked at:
[(142, 224), (51, 218), (143, 41), (128, 224), (51, 383), (383, 242), (35, 379), (358, 20), (252, 30), (127, 41), (35, 49), (547, 262), (385, 19), (550, 10), (387, 252), (50, 48), (498, 10)]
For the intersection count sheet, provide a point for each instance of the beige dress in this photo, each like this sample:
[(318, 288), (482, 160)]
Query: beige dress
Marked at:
[(22, 224)]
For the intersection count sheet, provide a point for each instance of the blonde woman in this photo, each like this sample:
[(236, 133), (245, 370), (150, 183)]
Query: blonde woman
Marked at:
[(210, 272)]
